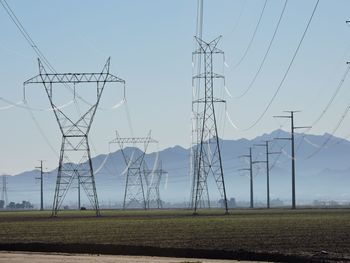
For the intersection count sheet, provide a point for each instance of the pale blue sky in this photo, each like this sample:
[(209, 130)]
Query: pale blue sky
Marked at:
[(150, 44)]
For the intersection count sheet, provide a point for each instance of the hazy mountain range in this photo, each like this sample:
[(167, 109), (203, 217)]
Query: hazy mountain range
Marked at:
[(324, 176)]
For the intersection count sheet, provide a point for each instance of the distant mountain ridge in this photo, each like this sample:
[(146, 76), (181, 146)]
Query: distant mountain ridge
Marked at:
[(324, 176)]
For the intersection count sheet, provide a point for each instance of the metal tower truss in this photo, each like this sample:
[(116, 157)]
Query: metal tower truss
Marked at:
[(134, 195), (4, 191), (196, 141), (208, 156), (153, 178), (74, 129)]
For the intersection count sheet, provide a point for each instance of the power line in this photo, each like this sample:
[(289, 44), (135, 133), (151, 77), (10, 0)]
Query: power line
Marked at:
[(347, 109), (35, 47), (41, 131), (340, 85), (239, 16), (24, 33), (253, 36), (266, 54), (287, 71), (331, 100)]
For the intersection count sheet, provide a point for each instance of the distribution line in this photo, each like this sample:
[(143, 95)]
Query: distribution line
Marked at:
[(340, 85), (287, 71), (278, 156), (342, 140), (332, 134), (331, 100)]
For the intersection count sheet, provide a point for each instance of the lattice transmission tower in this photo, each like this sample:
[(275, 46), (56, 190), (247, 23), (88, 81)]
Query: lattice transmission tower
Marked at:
[(153, 179), (4, 190), (207, 157), (134, 195), (74, 128), (197, 118)]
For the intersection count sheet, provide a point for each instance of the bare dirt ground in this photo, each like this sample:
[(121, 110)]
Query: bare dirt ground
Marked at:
[(12, 257)]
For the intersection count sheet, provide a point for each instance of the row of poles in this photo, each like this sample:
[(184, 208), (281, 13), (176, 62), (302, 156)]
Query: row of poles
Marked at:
[(266, 161)]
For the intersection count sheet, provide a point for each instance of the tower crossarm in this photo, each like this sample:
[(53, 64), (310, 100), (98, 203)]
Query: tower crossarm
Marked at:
[(203, 100), (205, 47), (204, 75), (134, 140), (75, 78)]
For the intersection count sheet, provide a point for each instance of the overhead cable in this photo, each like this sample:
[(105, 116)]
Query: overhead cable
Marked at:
[(266, 53), (287, 71), (253, 37)]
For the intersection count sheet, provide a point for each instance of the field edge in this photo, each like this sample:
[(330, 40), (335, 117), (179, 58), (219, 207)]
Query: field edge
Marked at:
[(126, 250)]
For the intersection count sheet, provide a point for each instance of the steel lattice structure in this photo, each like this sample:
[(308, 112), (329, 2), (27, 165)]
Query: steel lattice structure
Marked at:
[(197, 119), (4, 191), (207, 155), (153, 178), (134, 186), (74, 132)]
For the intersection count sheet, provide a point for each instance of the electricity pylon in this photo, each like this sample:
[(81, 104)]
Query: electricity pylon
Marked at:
[(4, 190), (207, 156), (291, 139), (197, 118), (134, 187), (75, 143), (153, 178)]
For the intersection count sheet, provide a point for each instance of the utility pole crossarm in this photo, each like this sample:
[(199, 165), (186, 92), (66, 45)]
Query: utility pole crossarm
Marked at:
[(303, 127), (263, 145), (254, 162), (292, 111), (281, 138), (244, 169), (275, 152), (282, 116)]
